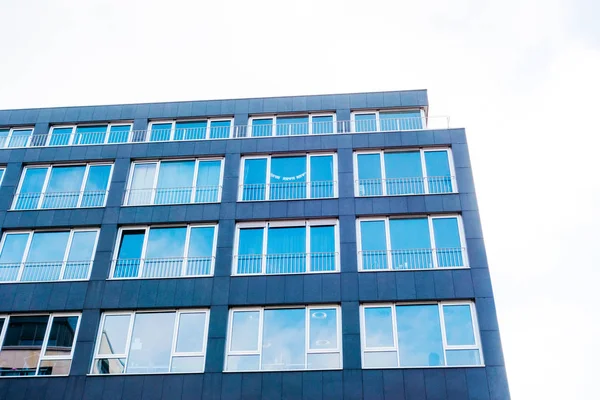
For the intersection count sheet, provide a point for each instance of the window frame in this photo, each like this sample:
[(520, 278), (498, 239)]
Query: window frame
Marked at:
[(425, 176), (3, 170), (265, 225), (186, 249), (74, 131), (174, 122), (47, 180), (44, 346), (307, 350), (64, 261), (268, 182), (173, 353), (430, 217), (377, 112), (288, 115), (445, 347), (10, 135)]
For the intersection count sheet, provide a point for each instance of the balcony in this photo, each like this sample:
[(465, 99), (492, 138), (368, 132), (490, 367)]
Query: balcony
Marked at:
[(288, 191), (45, 271), (178, 195), (412, 259), (405, 186), (57, 200), (285, 263), (162, 267)]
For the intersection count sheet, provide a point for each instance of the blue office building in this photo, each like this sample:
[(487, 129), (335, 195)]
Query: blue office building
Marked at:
[(306, 247)]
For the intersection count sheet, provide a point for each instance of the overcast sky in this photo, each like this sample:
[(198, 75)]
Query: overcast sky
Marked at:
[(521, 75)]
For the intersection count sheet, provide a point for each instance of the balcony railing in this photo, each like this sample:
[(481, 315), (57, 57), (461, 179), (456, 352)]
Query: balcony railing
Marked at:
[(405, 186), (162, 267), (288, 190), (45, 271), (180, 195), (228, 132), (285, 263), (84, 199), (410, 259)]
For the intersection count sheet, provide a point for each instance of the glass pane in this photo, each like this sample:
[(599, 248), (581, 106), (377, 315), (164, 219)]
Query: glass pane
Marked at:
[(404, 174), (200, 253), (322, 124), (400, 121), (12, 255), (45, 257), (321, 177), (369, 175), (323, 361), (365, 123), (244, 331), (119, 134), (151, 340), (187, 364), (378, 327), (160, 132), (165, 250), (373, 245), (96, 186), (220, 129), (438, 171), (113, 339), (190, 336), (419, 336), (250, 251), (80, 255), (447, 242), (284, 334), (130, 253), (62, 336), (411, 245), (175, 181), (3, 137), (64, 187), (59, 136), (31, 188), (192, 130), (262, 127), (322, 248), (459, 325), (22, 345), (255, 179), (286, 250), (90, 134), (55, 367), (208, 181), (463, 357), (288, 178), (142, 183), (243, 363), (1, 173), (380, 359), (109, 366), (20, 137), (323, 329), (287, 126)]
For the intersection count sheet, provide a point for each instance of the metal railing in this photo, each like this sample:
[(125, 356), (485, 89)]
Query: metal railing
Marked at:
[(49, 200), (227, 132), (288, 190), (180, 195), (409, 259), (45, 271), (162, 267), (285, 263), (405, 186)]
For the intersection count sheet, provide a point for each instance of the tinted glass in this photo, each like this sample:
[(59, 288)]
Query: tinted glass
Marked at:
[(255, 179), (48, 246), (82, 246), (378, 327), (190, 336), (208, 181), (119, 134), (365, 123), (292, 125), (200, 250), (244, 331), (13, 248), (166, 242), (60, 136), (283, 345), (323, 329), (175, 181), (160, 132), (369, 175), (90, 134), (131, 244), (322, 124), (31, 188), (419, 335), (321, 177), (151, 341), (113, 339), (286, 250), (250, 251), (463, 357), (411, 245), (192, 130), (322, 248), (447, 242), (373, 245), (62, 336), (220, 129), (438, 171), (262, 127), (400, 120), (288, 177), (459, 325), (142, 182), (96, 186), (26, 332), (404, 173), (64, 187)]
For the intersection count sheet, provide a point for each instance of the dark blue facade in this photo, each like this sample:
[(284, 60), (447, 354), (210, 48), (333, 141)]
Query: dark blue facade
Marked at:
[(348, 288)]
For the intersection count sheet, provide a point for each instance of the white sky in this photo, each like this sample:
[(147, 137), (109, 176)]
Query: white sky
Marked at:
[(521, 75)]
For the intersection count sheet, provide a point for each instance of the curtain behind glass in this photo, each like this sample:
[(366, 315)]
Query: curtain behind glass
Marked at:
[(286, 250)]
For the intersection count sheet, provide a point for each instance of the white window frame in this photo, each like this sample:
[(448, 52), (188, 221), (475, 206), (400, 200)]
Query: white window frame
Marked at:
[(353, 114), (440, 304), (11, 130), (154, 187), (43, 357), (65, 255), (174, 122), (307, 349), (265, 225), (74, 131), (422, 151), (47, 180), (434, 257), (146, 229), (3, 171), (308, 182), (174, 353), (274, 124)]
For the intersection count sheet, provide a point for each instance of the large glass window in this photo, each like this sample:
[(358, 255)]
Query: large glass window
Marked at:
[(404, 172), (64, 186), (420, 335), (165, 252), (290, 125), (151, 342), (382, 121), (37, 344), (411, 243), (47, 256), (288, 247), (280, 339), (309, 176), (89, 134), (175, 182), (160, 131), (17, 137)]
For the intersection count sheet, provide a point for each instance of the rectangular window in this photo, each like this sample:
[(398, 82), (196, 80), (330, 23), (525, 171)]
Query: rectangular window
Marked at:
[(291, 125), (411, 243), (165, 252), (385, 121), (393, 173), (37, 344), (420, 335), (47, 256), (17, 137), (213, 128), (156, 342), (89, 134), (175, 182), (304, 176), (2, 171), (63, 186), (286, 247), (283, 339)]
